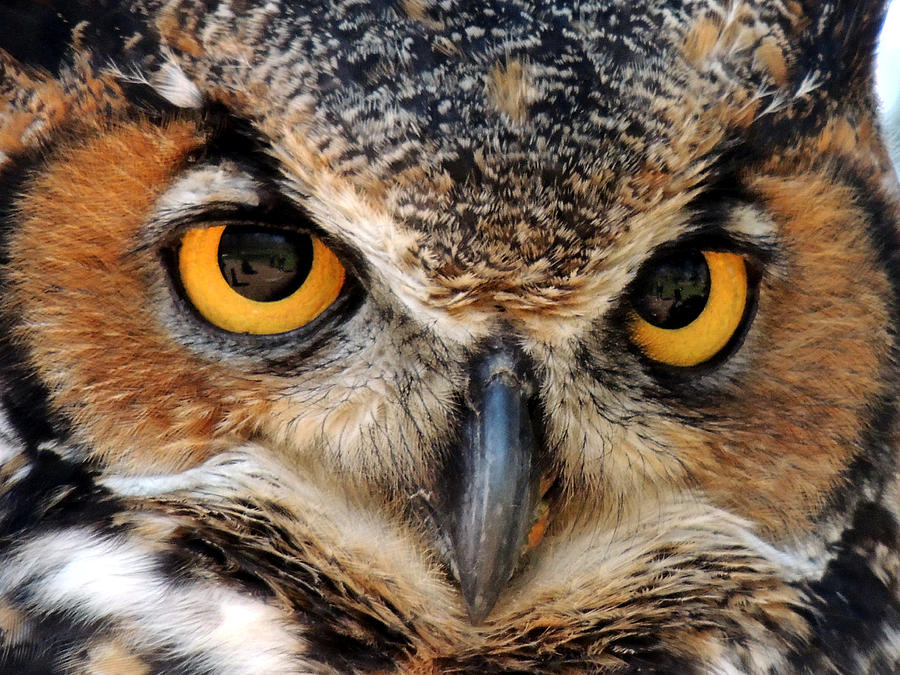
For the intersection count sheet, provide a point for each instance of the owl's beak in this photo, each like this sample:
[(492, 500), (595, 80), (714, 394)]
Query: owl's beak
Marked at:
[(495, 498)]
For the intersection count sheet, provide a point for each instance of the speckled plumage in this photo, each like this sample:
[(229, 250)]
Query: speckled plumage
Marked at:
[(177, 498)]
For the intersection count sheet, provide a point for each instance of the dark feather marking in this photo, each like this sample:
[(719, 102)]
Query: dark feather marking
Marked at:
[(55, 494), (58, 641), (34, 33), (853, 607), (24, 397), (878, 455), (257, 555), (38, 33)]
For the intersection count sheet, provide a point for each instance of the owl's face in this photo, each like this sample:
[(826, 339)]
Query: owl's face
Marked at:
[(574, 308)]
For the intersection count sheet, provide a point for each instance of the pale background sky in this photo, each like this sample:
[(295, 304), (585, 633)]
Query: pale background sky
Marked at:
[(887, 76)]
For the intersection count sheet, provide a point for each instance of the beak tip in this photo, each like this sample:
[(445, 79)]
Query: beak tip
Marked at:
[(477, 615), (485, 557), (479, 602)]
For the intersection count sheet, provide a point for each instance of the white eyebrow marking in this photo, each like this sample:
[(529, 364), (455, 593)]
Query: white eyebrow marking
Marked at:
[(751, 221)]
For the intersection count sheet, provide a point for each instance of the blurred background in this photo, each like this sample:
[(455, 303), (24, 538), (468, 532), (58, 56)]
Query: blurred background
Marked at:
[(887, 78)]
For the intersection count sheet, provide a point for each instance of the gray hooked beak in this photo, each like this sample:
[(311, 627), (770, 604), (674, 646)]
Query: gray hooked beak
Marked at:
[(497, 491)]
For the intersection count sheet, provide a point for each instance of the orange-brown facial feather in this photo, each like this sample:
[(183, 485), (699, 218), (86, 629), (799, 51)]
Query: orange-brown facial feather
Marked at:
[(111, 657), (509, 89), (81, 282), (14, 627), (33, 104), (822, 327), (714, 37), (179, 29)]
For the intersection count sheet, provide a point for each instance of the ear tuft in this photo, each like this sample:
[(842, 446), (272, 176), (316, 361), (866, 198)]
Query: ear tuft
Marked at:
[(839, 41), (42, 34), (34, 33)]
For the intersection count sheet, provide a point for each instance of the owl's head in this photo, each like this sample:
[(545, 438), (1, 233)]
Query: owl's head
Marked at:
[(520, 274)]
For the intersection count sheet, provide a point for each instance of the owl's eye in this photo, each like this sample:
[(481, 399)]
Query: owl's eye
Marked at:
[(687, 306), (260, 280)]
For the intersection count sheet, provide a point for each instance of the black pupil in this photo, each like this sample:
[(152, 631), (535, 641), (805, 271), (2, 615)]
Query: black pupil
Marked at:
[(674, 292), (264, 264)]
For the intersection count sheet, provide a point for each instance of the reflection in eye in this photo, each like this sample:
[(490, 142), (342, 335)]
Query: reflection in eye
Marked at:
[(675, 293), (264, 264)]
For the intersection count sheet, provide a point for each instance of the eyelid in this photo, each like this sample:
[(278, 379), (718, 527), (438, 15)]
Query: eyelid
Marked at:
[(201, 196), (737, 227), (224, 193)]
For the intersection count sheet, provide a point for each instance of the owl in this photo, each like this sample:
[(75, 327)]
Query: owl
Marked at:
[(447, 336)]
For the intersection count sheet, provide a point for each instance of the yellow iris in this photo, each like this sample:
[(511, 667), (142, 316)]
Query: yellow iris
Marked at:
[(223, 306), (713, 328)]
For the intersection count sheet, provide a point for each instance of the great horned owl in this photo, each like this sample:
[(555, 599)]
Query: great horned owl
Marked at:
[(446, 336)]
